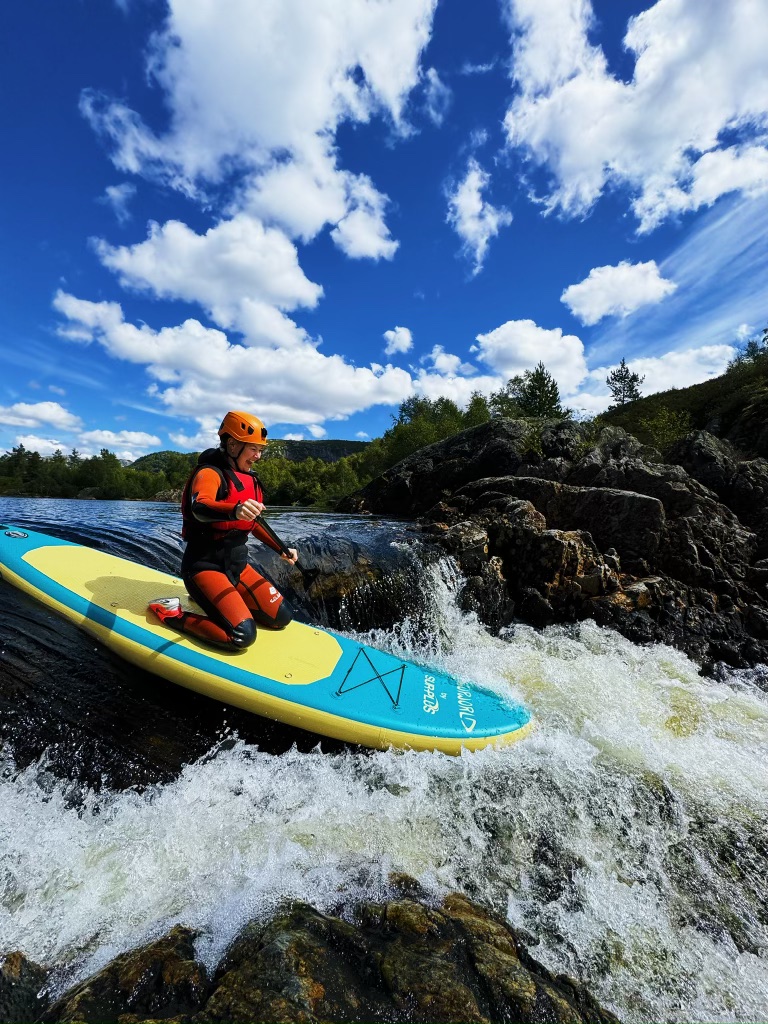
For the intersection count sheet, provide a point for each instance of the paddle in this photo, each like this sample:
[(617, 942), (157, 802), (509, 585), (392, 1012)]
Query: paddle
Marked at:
[(308, 575)]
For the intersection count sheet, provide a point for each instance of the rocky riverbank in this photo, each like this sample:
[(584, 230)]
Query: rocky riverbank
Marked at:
[(551, 524), (405, 959)]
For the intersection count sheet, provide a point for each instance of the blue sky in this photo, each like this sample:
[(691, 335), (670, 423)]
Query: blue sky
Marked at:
[(314, 211)]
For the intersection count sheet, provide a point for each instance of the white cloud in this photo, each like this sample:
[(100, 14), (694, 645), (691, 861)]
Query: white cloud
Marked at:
[(242, 273), (458, 389), (700, 73), (56, 389), (316, 430), (362, 231), (720, 268), (398, 340), (518, 345), (477, 69), (248, 84), (447, 364), (678, 369), (362, 436), (437, 97), (616, 291), (24, 414), (474, 219), (44, 446), (118, 197), (293, 437), (109, 439), (197, 372)]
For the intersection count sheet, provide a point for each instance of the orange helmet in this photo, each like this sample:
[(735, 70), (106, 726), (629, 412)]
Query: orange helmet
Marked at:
[(244, 427)]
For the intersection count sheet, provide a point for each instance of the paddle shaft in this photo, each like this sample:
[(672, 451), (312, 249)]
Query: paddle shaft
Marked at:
[(284, 550)]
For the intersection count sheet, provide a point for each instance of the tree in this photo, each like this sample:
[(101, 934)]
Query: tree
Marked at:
[(753, 351), (534, 393), (624, 385)]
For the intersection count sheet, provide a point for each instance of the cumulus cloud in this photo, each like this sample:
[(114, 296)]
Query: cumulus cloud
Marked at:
[(44, 446), (447, 364), (24, 414), (196, 371), (110, 438), (699, 77), (677, 369), (362, 436), (249, 85), (616, 291), (118, 197), (518, 345), (473, 218), (437, 97), (361, 232), (240, 271), (398, 340), (316, 430)]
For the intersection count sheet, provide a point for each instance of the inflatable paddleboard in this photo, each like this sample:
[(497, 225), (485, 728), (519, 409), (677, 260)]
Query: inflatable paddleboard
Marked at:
[(304, 676)]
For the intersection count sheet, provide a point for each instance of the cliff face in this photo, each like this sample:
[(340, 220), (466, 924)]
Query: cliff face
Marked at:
[(556, 526)]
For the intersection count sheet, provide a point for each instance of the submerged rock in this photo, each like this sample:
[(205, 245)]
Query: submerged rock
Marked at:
[(580, 527), (21, 984), (402, 960)]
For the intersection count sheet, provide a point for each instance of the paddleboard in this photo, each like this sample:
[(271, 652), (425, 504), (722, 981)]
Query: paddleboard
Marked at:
[(304, 675)]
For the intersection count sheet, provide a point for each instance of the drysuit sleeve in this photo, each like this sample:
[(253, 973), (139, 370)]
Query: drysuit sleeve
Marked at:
[(204, 505), (259, 532)]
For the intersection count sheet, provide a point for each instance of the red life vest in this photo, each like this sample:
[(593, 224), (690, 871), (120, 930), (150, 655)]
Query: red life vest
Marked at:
[(234, 487)]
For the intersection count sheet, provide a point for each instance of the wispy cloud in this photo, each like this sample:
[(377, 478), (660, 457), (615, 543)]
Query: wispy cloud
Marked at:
[(473, 218), (721, 271)]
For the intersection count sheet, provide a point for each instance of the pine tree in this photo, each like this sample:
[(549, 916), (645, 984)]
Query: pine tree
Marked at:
[(534, 393), (624, 385)]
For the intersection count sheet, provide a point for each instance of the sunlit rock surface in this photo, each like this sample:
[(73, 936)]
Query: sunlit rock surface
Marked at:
[(401, 960)]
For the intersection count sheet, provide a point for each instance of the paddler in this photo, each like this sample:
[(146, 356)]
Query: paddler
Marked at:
[(220, 505)]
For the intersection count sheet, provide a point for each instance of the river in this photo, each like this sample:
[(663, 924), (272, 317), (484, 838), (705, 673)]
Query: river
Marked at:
[(627, 836)]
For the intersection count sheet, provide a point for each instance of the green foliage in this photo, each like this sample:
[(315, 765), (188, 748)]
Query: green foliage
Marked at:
[(28, 474), (755, 350), (532, 394), (664, 428), (734, 405), (624, 385), (532, 442)]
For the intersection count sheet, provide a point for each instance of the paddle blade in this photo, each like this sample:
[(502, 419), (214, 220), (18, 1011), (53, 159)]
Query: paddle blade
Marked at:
[(308, 575)]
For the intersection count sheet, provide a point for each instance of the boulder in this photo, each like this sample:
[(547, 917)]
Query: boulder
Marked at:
[(159, 981), (402, 960)]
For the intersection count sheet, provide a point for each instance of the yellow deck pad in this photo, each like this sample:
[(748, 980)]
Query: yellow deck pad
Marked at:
[(298, 654)]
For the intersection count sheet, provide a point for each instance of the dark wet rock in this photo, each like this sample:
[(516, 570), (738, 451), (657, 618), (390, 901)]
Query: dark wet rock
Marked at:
[(406, 959), (160, 981), (601, 527), (397, 961), (21, 985), (741, 484)]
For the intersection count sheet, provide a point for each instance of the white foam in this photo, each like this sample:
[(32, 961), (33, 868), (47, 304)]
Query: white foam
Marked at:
[(624, 833)]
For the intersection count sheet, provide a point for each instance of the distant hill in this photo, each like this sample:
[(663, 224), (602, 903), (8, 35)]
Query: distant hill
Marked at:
[(733, 406), (294, 451), (326, 451)]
